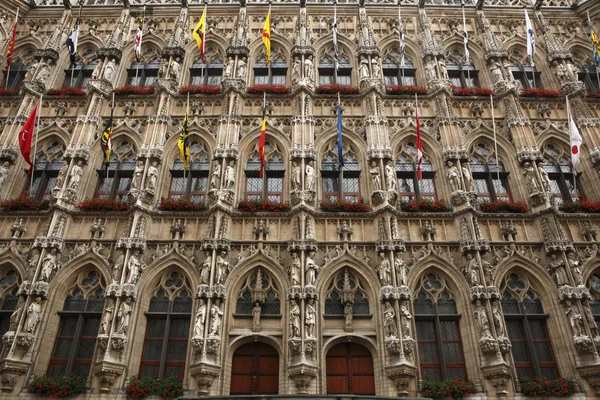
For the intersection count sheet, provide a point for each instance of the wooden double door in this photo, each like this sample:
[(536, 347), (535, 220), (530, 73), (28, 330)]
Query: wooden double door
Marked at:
[(350, 370), (255, 370)]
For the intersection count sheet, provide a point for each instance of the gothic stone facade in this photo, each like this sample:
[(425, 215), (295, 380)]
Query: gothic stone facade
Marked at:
[(412, 295)]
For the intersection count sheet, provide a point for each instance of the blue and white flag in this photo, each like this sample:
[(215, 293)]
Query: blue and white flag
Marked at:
[(339, 133), (530, 37), (334, 30)]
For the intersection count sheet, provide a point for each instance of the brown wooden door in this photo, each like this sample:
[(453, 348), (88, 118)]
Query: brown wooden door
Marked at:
[(350, 370), (255, 370)]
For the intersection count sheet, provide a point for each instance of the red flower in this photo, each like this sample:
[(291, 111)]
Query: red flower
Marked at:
[(66, 91), (337, 88), (473, 91), (200, 89), (274, 89), (535, 92), (132, 89), (405, 89)]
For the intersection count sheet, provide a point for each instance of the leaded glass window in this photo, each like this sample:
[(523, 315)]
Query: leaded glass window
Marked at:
[(489, 175), (9, 286), (344, 286), (438, 330), (193, 183), (564, 184), (338, 185), (80, 317), (527, 331), (210, 72), (168, 327), (397, 74), (327, 72), (594, 304), (270, 186), (263, 282), (273, 74), (408, 183), (78, 75), (18, 69), (115, 182), (522, 71), (47, 166)]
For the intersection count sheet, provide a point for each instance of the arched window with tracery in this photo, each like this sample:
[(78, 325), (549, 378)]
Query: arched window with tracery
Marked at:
[(259, 285), (438, 330), (77, 76), (395, 72), (522, 71), (9, 286), (145, 72), (461, 73), (489, 175), (168, 327), (208, 73), (274, 73), (120, 173), (586, 70), (408, 181), (527, 330), (191, 184), (48, 164), (557, 164), (336, 185), (80, 317), (270, 186), (19, 68), (327, 72), (594, 288), (346, 287)]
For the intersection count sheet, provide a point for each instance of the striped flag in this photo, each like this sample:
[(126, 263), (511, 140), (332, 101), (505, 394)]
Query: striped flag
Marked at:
[(106, 140), (465, 37), (262, 142), (199, 33), (72, 40), (595, 42), (11, 45), (182, 143), (419, 144), (266, 36), (530, 37), (334, 30), (137, 40), (401, 34), (339, 133)]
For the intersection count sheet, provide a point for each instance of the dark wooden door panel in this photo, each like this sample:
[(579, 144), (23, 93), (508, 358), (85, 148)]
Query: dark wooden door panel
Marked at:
[(350, 370), (255, 370)]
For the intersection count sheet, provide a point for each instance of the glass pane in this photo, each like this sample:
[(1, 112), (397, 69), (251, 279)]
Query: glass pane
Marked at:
[(524, 373), (133, 80), (90, 327), (426, 330), (150, 370), (520, 352), (537, 329), (278, 79), (275, 184), (124, 184), (62, 349), (452, 353), (447, 307), (432, 374), (428, 352), (180, 328), (391, 80), (82, 370), (177, 350), (68, 326), (549, 373), (86, 349), (449, 330), (455, 373), (253, 184), (325, 79), (261, 79), (199, 184), (543, 352), (515, 329), (152, 351), (174, 370), (58, 370), (343, 80), (156, 328), (330, 185), (351, 185)]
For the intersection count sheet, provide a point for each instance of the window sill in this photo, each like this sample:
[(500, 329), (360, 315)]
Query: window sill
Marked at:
[(262, 316), (335, 316)]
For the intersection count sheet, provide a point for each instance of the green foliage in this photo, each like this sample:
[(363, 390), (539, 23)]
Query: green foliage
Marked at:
[(140, 388), (57, 386), (543, 387), (455, 388)]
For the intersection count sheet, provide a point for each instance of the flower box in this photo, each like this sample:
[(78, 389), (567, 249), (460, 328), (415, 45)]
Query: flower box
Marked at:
[(24, 203), (345, 206), (135, 90), (335, 88), (450, 388), (272, 89), (95, 204), (581, 206), (594, 94), (535, 92), (7, 92), (473, 91), (503, 206), (259, 205), (66, 91), (424, 205), (408, 89), (181, 205), (200, 89), (140, 388), (542, 387), (57, 386)]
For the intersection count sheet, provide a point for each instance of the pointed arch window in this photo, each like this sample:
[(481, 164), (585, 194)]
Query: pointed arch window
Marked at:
[(265, 284), (594, 287), (489, 175), (208, 73), (168, 328), (527, 331), (9, 286), (81, 73), (273, 74), (586, 71), (45, 174), (194, 184), (335, 184), (438, 330), (327, 73), (522, 71), (145, 72), (396, 73), (270, 186), (117, 183), (80, 317), (563, 186), (346, 285), (18, 70), (408, 183)]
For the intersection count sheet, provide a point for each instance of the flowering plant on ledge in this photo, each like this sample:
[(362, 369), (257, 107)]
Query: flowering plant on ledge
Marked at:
[(66, 91), (180, 205), (24, 203), (336, 88), (594, 94), (57, 386), (424, 205), (345, 206), (132, 89), (542, 387), (473, 91), (200, 89), (7, 92), (503, 206), (259, 205), (581, 206), (95, 204), (140, 388), (535, 92), (273, 89), (450, 388), (406, 89)]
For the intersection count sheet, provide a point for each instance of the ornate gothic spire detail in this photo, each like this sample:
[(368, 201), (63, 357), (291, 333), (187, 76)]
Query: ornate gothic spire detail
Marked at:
[(177, 38), (490, 43), (366, 37), (556, 51), (240, 29), (303, 31), (429, 43), (55, 41), (119, 34)]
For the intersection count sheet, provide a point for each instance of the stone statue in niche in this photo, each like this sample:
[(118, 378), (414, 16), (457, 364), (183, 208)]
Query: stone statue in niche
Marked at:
[(498, 320), (384, 270), (391, 177), (364, 69), (589, 232), (311, 270), (222, 268), (107, 319), (310, 176), (296, 68), (175, 70), (295, 269), (530, 178), (348, 315), (453, 177), (428, 232), (376, 68), (256, 311), (135, 267), (310, 318), (294, 319), (482, 320), (152, 176), (309, 69), (575, 319), (200, 319), (34, 315), (296, 176), (18, 228), (589, 317), (4, 168), (405, 317), (230, 175), (97, 229), (109, 70), (544, 178), (75, 175), (389, 321), (124, 317), (216, 175), (401, 270), (345, 231), (205, 268), (575, 267), (229, 68), (49, 265), (556, 268), (216, 318), (471, 270), (468, 178), (241, 69), (14, 318), (138, 174), (375, 176)]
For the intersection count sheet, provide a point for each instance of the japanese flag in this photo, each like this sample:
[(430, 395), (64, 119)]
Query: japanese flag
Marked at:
[(576, 140)]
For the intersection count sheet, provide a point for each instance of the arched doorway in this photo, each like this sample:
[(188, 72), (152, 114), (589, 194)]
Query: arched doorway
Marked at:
[(255, 370), (350, 370)]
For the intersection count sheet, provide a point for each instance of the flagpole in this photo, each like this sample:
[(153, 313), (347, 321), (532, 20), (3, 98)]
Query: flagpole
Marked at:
[(264, 110), (204, 71), (419, 144), (112, 108), (187, 107), (341, 178), (401, 34), (137, 65), (466, 37), (495, 141), (335, 45), (569, 125), (75, 49), (37, 130), (8, 66)]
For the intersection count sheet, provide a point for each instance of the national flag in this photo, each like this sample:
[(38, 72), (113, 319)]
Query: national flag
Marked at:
[(595, 42), (401, 34), (182, 143), (72, 42), (199, 34), (575, 141), (419, 144), (137, 40), (106, 141), (339, 134), (266, 36), (261, 143), (11, 45), (26, 136), (530, 37), (334, 31), (466, 38)]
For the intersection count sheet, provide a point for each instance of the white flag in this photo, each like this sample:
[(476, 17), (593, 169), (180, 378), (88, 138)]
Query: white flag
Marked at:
[(466, 38), (575, 140), (401, 33), (530, 37), (334, 30)]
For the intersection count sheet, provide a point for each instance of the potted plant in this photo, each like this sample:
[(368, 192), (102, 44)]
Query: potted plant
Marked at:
[(424, 205), (57, 386), (134, 90), (181, 204), (456, 388), (336, 88), (140, 388), (405, 89), (544, 388), (259, 205), (24, 203), (535, 92), (345, 206), (66, 91), (504, 206), (272, 89), (200, 89), (99, 205)]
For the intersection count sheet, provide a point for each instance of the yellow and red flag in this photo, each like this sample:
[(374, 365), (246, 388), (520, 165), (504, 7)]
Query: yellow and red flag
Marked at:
[(199, 33), (11, 45), (266, 36)]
